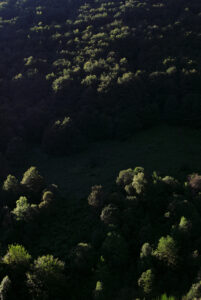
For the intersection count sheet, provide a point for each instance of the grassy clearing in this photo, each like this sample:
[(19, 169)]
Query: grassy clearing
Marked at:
[(166, 149)]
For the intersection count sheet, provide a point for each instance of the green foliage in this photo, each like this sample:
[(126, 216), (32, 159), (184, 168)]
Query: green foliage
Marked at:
[(146, 250), (125, 177), (5, 288), (110, 214), (184, 224), (24, 210), (170, 181), (139, 183), (32, 180), (11, 184), (46, 279), (97, 196), (146, 282), (48, 196), (126, 78), (62, 83), (98, 292), (167, 251), (194, 292), (17, 257), (116, 68)]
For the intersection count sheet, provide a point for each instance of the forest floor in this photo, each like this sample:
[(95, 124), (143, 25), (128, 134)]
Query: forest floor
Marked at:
[(170, 150)]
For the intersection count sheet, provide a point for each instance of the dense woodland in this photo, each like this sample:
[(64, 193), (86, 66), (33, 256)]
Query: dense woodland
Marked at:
[(74, 73)]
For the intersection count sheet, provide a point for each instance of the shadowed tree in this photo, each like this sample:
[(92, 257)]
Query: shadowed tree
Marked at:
[(110, 214), (82, 258), (5, 289), (125, 178), (33, 181), (24, 210), (97, 197), (46, 279), (146, 281), (11, 188), (167, 251)]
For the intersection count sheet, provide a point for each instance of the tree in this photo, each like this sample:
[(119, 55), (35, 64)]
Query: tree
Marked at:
[(110, 214), (195, 182), (125, 177), (167, 251), (139, 183), (32, 180), (82, 257), (11, 184), (115, 250), (146, 282), (98, 291), (184, 225), (61, 137), (47, 198), (24, 210), (17, 257), (146, 250), (46, 279), (11, 187), (194, 292), (97, 196), (146, 257), (171, 183), (5, 288)]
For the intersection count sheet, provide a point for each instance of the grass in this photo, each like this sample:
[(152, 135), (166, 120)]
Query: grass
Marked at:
[(166, 149)]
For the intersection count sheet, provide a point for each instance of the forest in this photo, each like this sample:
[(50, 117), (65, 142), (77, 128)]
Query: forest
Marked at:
[(100, 139)]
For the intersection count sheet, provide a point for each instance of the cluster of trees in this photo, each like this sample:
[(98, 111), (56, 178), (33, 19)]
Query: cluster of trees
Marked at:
[(140, 239), (22, 200), (73, 72), (112, 67)]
